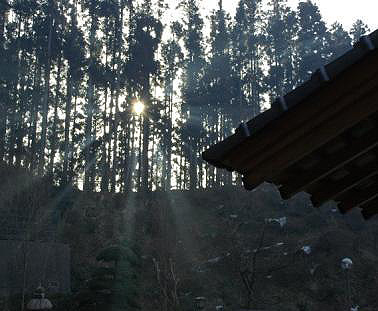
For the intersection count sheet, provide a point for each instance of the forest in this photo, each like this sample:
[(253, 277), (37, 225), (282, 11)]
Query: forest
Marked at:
[(106, 204), (72, 72)]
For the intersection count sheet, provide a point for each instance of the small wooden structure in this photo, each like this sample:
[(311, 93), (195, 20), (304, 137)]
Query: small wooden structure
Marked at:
[(321, 138)]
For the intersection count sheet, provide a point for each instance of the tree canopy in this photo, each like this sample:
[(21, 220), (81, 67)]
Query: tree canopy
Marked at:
[(72, 70)]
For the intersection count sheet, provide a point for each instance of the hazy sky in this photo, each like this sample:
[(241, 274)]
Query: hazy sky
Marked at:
[(343, 11)]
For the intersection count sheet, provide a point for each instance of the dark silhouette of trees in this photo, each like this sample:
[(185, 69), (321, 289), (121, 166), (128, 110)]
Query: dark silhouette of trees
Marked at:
[(192, 101), (311, 40), (247, 58), (172, 58), (143, 65), (358, 30), (114, 282), (220, 89), (71, 70), (339, 41), (280, 49)]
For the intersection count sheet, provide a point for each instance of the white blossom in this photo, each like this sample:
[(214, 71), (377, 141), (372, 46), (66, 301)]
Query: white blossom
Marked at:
[(282, 221), (306, 249), (346, 263)]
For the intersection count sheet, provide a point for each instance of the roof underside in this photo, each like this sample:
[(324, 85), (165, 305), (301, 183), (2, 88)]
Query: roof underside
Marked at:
[(321, 138)]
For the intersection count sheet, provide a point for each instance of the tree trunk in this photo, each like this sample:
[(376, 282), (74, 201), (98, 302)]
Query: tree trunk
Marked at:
[(54, 136), (13, 107), (146, 136), (114, 170), (3, 109), (88, 149), (104, 163), (118, 42), (110, 127), (139, 175), (67, 126), (127, 159), (130, 161), (34, 119), (3, 16), (45, 104), (193, 165), (20, 115), (145, 164), (168, 182), (193, 145), (153, 166), (71, 169), (3, 122)]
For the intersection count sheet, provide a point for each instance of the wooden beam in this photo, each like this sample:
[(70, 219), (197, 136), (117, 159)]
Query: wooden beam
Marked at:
[(370, 208), (303, 117), (355, 196), (329, 190), (334, 108), (319, 136), (299, 180)]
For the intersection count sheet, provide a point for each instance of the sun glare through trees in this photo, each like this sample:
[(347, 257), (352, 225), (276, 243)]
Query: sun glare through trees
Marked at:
[(138, 107)]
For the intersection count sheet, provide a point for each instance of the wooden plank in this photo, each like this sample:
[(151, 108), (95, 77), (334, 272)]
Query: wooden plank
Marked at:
[(355, 197), (370, 208), (299, 180), (329, 190), (334, 108), (322, 134), (303, 117), (218, 151), (300, 116)]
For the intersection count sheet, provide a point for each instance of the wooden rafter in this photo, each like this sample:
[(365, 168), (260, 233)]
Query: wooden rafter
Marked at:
[(329, 190), (304, 118), (370, 208), (356, 196), (297, 180), (321, 138), (323, 133)]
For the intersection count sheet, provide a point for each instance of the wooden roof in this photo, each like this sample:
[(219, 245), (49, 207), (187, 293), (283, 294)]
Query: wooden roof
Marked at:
[(321, 138)]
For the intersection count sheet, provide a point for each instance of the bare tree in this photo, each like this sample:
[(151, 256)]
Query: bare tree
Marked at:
[(168, 283)]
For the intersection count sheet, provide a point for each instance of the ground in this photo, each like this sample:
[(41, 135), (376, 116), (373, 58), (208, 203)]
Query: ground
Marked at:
[(236, 248)]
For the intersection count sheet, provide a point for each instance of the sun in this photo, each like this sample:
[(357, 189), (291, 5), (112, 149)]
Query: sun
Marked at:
[(138, 107)]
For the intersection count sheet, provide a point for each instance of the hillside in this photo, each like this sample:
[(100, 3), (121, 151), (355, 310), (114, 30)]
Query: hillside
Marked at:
[(228, 245), (210, 241)]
